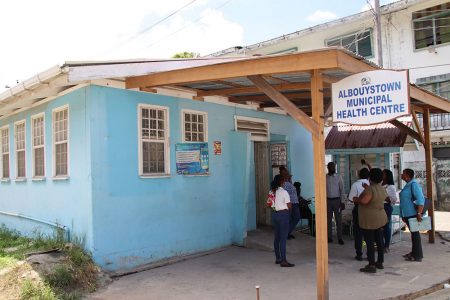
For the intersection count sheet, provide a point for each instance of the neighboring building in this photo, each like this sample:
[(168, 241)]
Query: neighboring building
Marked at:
[(416, 36), (81, 152)]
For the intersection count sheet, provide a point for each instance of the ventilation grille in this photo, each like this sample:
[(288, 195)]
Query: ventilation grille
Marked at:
[(259, 128)]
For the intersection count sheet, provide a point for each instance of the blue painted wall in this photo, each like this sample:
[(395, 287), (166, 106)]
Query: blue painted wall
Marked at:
[(138, 220), (128, 220), (66, 202)]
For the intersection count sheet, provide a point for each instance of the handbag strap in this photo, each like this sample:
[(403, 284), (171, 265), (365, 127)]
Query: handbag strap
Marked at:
[(412, 193)]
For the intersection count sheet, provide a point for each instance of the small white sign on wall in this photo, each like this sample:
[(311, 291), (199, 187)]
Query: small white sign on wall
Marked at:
[(371, 97)]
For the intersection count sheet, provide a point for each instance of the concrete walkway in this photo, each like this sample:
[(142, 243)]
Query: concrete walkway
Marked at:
[(234, 272)]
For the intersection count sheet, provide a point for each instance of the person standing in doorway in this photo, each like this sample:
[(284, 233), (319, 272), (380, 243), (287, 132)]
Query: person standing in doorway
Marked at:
[(355, 191), (412, 194), (335, 198), (391, 199), (294, 217), (280, 217)]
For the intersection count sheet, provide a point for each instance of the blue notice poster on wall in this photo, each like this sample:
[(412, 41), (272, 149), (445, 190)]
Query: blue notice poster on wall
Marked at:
[(192, 158)]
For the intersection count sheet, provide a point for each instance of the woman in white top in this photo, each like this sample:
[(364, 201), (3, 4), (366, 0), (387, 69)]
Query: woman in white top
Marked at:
[(280, 217), (389, 185)]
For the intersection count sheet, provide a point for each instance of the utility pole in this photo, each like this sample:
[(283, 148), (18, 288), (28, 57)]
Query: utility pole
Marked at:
[(378, 33)]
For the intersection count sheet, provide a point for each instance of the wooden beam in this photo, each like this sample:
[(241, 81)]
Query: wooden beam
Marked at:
[(229, 83), (407, 130), (284, 103), (320, 188), (266, 65), (417, 108), (429, 98), (330, 79), (417, 125), (429, 171), (353, 65), (148, 90), (277, 80), (254, 89)]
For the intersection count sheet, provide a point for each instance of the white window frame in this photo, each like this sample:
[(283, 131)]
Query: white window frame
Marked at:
[(205, 124), (33, 146), (6, 127), (341, 37), (24, 149), (433, 19), (58, 109), (166, 141)]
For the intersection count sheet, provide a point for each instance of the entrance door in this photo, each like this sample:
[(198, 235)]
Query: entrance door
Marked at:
[(262, 182)]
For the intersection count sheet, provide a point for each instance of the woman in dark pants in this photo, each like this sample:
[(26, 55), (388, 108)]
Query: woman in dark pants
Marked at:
[(412, 194), (280, 217), (372, 218), (391, 199)]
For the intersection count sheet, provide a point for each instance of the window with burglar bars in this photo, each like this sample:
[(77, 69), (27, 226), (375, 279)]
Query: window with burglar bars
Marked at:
[(195, 126), (61, 142), (4, 133), (19, 139), (359, 43), (154, 140), (431, 26), (38, 133)]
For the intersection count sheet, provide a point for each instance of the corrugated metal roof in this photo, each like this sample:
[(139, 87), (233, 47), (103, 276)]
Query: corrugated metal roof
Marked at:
[(375, 136)]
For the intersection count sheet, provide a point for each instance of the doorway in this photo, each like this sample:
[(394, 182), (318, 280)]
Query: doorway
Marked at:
[(262, 183)]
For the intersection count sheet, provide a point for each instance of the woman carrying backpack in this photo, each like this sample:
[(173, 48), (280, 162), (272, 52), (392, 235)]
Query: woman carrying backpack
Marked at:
[(411, 206)]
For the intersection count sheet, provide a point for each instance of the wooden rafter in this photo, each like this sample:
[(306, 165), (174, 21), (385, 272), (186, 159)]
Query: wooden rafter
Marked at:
[(263, 98), (236, 85), (429, 98), (284, 103), (254, 89), (277, 80), (407, 130), (417, 125)]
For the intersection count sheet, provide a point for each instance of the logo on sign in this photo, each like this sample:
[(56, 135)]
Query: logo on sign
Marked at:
[(371, 97)]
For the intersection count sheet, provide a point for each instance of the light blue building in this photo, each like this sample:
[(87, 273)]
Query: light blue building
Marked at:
[(81, 152)]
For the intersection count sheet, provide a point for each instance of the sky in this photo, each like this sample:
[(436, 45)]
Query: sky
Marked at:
[(37, 35)]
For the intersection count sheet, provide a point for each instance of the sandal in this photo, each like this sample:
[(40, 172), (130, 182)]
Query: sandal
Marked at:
[(407, 255), (411, 258)]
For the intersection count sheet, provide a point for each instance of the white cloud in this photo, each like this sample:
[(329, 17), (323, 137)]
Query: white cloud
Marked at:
[(44, 33), (321, 16)]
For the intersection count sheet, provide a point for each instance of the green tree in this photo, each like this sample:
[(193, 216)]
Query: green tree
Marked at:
[(186, 54)]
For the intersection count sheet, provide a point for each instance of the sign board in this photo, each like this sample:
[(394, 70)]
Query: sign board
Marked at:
[(278, 154), (217, 148), (371, 97), (192, 158)]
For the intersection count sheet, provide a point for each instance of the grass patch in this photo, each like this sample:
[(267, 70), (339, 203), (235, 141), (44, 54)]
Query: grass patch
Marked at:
[(6, 261), (73, 274), (36, 291)]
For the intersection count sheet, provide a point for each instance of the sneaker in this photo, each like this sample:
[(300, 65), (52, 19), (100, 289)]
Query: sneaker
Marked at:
[(386, 250), (358, 258), (379, 266), (286, 264), (291, 236), (369, 269), (341, 242), (278, 262)]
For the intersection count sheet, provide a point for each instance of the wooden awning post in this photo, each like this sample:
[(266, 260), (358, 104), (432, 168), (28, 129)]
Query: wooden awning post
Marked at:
[(429, 170), (319, 187)]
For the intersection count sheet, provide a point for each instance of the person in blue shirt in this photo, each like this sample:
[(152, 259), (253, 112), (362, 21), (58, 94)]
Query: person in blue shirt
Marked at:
[(412, 194)]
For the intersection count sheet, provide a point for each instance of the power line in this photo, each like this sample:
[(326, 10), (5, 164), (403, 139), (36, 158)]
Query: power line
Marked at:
[(146, 29), (183, 28)]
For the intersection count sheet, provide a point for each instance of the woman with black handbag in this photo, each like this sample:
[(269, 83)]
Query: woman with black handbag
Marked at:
[(411, 206)]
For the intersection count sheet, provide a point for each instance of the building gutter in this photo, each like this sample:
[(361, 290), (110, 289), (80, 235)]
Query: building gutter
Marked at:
[(32, 83), (52, 224)]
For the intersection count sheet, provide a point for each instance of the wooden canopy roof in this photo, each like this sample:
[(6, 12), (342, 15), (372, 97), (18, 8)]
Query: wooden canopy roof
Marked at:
[(289, 74)]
